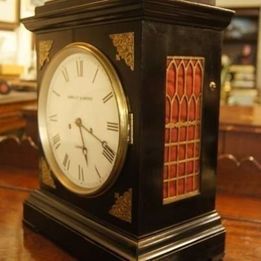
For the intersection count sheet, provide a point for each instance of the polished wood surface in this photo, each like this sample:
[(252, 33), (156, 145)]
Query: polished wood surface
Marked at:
[(17, 242), (241, 218)]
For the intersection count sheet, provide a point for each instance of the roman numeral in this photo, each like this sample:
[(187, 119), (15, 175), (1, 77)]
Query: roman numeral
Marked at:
[(95, 75), (113, 126), (79, 67), (107, 97), (65, 74), (53, 117), (80, 174), (56, 141), (108, 153), (98, 173), (56, 93), (66, 161)]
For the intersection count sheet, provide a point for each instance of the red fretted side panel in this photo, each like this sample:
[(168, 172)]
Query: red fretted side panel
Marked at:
[(184, 82)]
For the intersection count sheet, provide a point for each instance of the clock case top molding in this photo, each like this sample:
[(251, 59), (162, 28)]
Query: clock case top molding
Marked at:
[(81, 12), (160, 29)]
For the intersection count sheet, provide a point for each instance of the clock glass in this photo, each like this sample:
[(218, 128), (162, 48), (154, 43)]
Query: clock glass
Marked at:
[(83, 119)]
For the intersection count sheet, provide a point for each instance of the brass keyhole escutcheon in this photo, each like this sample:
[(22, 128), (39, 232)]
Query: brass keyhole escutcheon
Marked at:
[(212, 86)]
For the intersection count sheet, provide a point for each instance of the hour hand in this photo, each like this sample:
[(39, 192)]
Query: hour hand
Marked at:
[(85, 152), (78, 123)]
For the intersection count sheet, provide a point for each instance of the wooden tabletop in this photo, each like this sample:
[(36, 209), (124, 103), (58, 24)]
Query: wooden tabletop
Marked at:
[(17, 241), (241, 218), (246, 117)]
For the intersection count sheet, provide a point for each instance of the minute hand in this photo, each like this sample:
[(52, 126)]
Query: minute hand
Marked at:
[(107, 151), (91, 132)]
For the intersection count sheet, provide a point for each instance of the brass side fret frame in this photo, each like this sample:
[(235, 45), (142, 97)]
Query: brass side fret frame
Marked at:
[(184, 87)]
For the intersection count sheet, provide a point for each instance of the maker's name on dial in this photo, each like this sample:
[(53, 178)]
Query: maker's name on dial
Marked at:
[(79, 98)]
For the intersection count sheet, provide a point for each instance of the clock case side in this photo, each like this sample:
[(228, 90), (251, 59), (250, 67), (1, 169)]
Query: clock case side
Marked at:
[(161, 39), (168, 43), (194, 217)]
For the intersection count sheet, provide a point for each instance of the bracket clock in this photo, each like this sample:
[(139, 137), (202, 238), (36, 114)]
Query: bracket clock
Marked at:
[(128, 118)]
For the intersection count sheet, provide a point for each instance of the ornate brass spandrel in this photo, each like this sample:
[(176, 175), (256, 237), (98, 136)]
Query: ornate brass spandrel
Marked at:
[(124, 44), (45, 174), (44, 51), (123, 206)]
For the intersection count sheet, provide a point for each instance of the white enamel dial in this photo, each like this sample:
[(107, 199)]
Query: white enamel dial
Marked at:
[(83, 119)]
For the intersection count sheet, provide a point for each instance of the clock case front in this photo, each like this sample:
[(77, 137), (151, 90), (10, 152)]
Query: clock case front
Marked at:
[(131, 220)]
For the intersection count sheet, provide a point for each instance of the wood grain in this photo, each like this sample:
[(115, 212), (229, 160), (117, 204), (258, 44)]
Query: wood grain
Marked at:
[(242, 220), (18, 242)]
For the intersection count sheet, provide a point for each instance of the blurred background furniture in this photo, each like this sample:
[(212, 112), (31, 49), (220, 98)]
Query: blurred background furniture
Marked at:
[(239, 160), (18, 132)]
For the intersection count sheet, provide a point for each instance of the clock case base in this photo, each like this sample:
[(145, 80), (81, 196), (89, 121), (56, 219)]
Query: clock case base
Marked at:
[(201, 238)]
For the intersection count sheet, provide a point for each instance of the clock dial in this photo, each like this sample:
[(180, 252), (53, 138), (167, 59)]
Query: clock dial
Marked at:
[(83, 119)]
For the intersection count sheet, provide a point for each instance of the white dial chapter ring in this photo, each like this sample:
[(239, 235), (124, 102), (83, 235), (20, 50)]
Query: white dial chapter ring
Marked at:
[(87, 154)]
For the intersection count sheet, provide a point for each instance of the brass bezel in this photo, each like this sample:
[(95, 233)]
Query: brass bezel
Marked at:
[(122, 110)]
